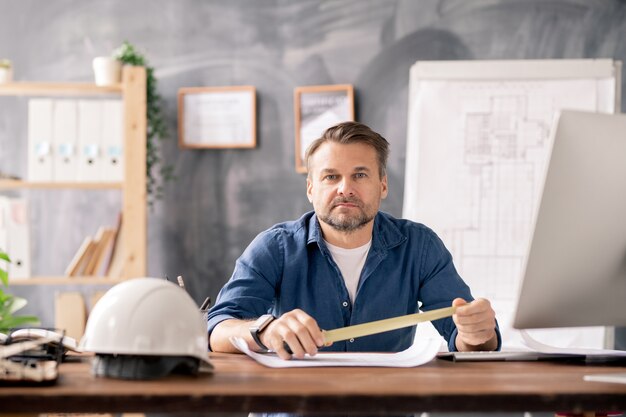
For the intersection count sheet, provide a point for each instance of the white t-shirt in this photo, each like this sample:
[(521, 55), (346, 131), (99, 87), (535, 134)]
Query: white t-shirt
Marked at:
[(350, 263)]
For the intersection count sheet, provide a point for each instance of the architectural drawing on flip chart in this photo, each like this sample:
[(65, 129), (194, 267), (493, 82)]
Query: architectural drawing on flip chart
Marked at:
[(498, 161), (477, 147)]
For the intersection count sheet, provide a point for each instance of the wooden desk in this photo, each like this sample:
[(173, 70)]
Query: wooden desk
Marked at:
[(241, 385)]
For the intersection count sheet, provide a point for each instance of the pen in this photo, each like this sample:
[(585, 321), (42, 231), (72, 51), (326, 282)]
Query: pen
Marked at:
[(207, 301), (204, 308), (206, 304)]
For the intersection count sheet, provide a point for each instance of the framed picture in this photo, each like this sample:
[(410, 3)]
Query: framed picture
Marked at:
[(317, 108), (217, 117)]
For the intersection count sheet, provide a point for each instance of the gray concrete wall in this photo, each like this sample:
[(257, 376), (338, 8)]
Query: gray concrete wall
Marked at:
[(223, 198)]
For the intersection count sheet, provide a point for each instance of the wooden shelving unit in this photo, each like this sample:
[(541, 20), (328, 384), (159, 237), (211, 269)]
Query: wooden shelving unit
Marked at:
[(53, 280), (58, 89), (134, 215), (17, 184)]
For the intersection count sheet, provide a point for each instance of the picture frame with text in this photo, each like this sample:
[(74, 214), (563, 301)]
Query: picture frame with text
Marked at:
[(317, 108), (217, 117)]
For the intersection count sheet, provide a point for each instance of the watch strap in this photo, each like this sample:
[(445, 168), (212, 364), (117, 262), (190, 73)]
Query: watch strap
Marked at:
[(255, 335), (257, 328)]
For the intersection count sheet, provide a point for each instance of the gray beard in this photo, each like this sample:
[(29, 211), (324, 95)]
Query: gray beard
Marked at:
[(348, 224)]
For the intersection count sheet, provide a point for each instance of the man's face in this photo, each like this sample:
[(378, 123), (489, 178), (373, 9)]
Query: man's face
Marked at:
[(344, 185)]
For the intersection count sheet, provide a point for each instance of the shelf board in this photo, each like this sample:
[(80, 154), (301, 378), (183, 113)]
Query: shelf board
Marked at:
[(65, 281), (18, 184), (57, 89)]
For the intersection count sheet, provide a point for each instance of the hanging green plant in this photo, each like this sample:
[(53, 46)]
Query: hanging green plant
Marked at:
[(157, 172), (9, 304)]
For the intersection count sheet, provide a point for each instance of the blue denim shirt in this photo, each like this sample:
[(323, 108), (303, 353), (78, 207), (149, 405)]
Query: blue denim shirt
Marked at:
[(289, 266)]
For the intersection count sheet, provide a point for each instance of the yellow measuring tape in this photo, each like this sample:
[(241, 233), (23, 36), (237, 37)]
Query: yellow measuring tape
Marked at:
[(380, 326)]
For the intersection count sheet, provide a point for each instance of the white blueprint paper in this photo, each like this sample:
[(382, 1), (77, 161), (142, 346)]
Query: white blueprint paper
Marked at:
[(612, 377), (419, 353), (544, 348)]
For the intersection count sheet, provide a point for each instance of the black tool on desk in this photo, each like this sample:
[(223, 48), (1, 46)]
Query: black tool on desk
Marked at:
[(204, 308)]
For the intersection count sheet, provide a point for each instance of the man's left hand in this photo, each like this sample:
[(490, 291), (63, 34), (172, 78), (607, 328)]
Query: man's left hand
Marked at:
[(476, 325)]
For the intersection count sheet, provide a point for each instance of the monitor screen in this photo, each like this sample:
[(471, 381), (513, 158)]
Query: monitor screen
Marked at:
[(575, 271)]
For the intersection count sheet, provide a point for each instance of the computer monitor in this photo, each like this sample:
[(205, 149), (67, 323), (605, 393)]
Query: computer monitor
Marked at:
[(575, 272)]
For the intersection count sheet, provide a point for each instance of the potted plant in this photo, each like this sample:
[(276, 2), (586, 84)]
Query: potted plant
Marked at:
[(9, 304), (6, 71), (157, 173), (107, 70)]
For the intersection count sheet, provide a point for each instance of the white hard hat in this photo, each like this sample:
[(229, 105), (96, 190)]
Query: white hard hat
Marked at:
[(146, 328)]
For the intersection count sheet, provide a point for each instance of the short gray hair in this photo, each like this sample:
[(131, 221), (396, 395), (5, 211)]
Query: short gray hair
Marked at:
[(352, 132)]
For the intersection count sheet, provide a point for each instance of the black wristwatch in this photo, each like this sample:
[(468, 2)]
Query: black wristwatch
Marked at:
[(258, 326)]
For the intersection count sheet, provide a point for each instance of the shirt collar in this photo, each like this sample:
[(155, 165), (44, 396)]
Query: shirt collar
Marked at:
[(385, 235)]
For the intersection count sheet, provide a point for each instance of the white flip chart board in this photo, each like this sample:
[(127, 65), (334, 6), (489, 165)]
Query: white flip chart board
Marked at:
[(477, 144)]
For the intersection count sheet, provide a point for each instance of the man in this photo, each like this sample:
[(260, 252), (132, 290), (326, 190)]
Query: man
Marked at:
[(345, 263)]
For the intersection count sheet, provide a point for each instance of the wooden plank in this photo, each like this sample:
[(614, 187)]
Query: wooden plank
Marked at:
[(57, 89), (241, 385), (134, 205), (70, 313), (18, 184), (59, 280)]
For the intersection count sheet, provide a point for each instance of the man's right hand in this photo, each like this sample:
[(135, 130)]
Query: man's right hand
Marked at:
[(296, 328), (299, 330)]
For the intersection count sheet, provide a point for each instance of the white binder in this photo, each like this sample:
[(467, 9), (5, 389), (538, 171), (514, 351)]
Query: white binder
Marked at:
[(64, 136), (113, 140), (4, 243), (40, 139), (18, 232), (90, 158)]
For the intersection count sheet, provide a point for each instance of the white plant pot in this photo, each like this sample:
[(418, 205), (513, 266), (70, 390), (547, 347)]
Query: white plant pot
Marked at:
[(107, 70), (6, 75)]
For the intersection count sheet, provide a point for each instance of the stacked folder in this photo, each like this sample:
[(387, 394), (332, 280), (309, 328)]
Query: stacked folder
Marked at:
[(15, 236), (75, 140)]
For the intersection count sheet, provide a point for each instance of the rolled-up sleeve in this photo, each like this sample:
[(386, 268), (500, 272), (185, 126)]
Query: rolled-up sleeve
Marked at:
[(441, 284), (251, 290)]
